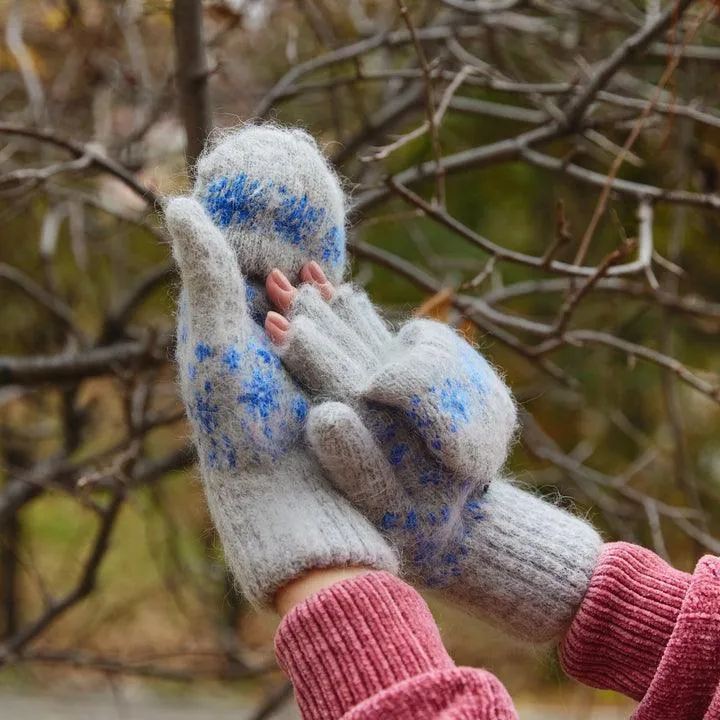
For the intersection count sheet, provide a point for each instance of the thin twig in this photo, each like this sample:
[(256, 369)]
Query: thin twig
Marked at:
[(573, 301), (53, 304), (502, 253), (433, 124), (79, 150), (671, 14), (38, 369), (445, 102), (563, 235), (82, 589), (622, 54)]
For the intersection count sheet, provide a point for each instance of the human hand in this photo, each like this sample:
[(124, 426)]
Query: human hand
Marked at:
[(507, 556), (416, 426), (275, 511)]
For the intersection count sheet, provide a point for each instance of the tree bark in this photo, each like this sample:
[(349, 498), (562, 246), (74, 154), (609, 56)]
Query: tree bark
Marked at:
[(191, 76)]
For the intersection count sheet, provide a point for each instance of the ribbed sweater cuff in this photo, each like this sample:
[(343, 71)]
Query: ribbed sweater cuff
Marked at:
[(619, 634), (350, 641)]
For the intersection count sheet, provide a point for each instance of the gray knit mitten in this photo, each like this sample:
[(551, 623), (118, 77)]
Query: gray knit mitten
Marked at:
[(413, 429), (275, 512), (424, 400), (276, 199)]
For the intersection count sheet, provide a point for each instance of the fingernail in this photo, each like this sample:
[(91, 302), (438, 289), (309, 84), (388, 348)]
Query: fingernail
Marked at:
[(280, 280), (276, 326), (316, 273)]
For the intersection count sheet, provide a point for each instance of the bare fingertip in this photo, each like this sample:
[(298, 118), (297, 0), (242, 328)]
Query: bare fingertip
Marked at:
[(279, 278), (276, 326), (314, 274), (317, 273)]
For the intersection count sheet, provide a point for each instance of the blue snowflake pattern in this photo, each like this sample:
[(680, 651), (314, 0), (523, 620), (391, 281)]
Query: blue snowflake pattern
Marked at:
[(437, 563), (231, 358), (476, 368), (434, 534), (296, 220), (333, 246), (203, 352), (205, 411), (267, 356), (403, 449), (397, 453), (225, 450), (271, 413), (454, 400), (260, 393), (266, 206), (300, 408), (236, 201)]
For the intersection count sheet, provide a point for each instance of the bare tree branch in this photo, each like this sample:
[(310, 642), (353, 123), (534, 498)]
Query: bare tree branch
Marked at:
[(78, 150), (192, 75)]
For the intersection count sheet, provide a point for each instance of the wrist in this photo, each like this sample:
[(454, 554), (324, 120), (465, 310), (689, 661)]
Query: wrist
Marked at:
[(301, 588)]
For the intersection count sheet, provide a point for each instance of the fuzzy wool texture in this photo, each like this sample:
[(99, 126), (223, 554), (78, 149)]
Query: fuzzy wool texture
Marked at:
[(529, 563), (404, 430), (368, 647), (412, 428), (275, 198), (276, 513)]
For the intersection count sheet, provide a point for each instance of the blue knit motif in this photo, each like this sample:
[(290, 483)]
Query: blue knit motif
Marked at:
[(425, 512), (270, 413), (475, 367), (296, 219), (267, 207), (236, 201), (300, 408), (203, 352), (206, 411), (437, 509), (457, 399), (333, 246), (454, 401), (260, 395)]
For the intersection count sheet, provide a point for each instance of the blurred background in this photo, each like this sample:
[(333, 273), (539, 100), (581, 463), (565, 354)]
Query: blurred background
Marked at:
[(543, 174)]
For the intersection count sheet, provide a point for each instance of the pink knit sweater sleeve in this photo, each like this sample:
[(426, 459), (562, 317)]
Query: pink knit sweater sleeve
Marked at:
[(650, 632), (368, 648)]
